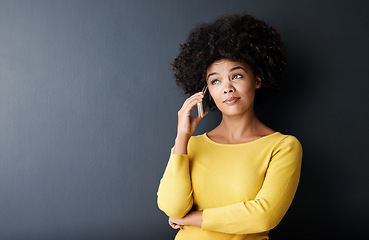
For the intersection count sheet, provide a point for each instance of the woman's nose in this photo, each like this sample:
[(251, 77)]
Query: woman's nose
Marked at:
[(228, 88)]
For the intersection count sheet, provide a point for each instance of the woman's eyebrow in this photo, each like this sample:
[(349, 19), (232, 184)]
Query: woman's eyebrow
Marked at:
[(232, 69), (211, 74), (235, 68)]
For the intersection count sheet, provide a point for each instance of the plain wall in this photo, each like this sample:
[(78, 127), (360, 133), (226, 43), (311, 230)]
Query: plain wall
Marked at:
[(88, 113)]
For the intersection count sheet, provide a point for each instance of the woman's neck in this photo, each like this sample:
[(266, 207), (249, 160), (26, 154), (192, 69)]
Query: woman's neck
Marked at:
[(239, 129)]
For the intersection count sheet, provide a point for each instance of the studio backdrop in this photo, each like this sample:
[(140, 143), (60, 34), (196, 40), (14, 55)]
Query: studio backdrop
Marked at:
[(88, 113)]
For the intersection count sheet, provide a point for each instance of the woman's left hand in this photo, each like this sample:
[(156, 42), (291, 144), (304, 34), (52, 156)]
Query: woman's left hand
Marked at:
[(174, 223), (193, 218)]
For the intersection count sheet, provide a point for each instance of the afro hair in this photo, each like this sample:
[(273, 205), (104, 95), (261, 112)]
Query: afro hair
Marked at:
[(240, 38)]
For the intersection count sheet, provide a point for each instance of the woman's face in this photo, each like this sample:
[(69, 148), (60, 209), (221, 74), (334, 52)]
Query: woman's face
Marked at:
[(232, 86)]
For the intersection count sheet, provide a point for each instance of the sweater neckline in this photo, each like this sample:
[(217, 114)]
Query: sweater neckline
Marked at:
[(238, 144)]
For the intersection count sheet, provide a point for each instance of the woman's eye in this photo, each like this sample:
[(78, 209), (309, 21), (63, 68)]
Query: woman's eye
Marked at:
[(216, 81), (236, 76)]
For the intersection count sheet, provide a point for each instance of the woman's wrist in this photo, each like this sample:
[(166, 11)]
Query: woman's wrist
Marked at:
[(180, 145), (193, 218)]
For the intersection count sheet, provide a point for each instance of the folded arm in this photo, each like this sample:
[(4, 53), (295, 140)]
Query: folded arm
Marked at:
[(175, 189)]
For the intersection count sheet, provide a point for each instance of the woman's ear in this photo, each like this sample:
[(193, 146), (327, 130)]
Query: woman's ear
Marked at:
[(258, 81)]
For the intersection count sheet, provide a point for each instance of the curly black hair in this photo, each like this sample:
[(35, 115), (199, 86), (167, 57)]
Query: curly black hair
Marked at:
[(240, 38)]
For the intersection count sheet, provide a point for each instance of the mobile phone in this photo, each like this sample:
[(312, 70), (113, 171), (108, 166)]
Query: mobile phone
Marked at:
[(201, 107)]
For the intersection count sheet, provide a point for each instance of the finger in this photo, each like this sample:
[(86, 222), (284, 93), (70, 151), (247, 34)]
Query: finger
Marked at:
[(206, 112), (172, 224), (190, 105), (198, 118), (194, 121), (198, 95), (177, 226)]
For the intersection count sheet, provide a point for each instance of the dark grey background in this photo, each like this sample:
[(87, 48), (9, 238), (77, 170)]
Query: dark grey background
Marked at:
[(88, 109)]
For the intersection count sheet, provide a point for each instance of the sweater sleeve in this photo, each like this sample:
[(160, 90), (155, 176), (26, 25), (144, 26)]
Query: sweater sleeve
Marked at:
[(175, 189), (272, 201)]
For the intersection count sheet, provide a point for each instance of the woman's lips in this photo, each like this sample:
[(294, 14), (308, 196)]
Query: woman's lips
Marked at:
[(231, 100)]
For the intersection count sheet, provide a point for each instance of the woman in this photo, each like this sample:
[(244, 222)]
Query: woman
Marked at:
[(238, 180)]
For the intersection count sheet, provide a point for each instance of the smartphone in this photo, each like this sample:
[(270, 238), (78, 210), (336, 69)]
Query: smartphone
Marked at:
[(201, 107)]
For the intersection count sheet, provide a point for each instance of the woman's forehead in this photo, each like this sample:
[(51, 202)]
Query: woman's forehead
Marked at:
[(225, 64)]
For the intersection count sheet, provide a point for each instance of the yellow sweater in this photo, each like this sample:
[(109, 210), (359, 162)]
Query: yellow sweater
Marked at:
[(244, 189)]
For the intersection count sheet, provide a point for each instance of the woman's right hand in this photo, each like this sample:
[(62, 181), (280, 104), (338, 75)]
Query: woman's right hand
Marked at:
[(186, 123)]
